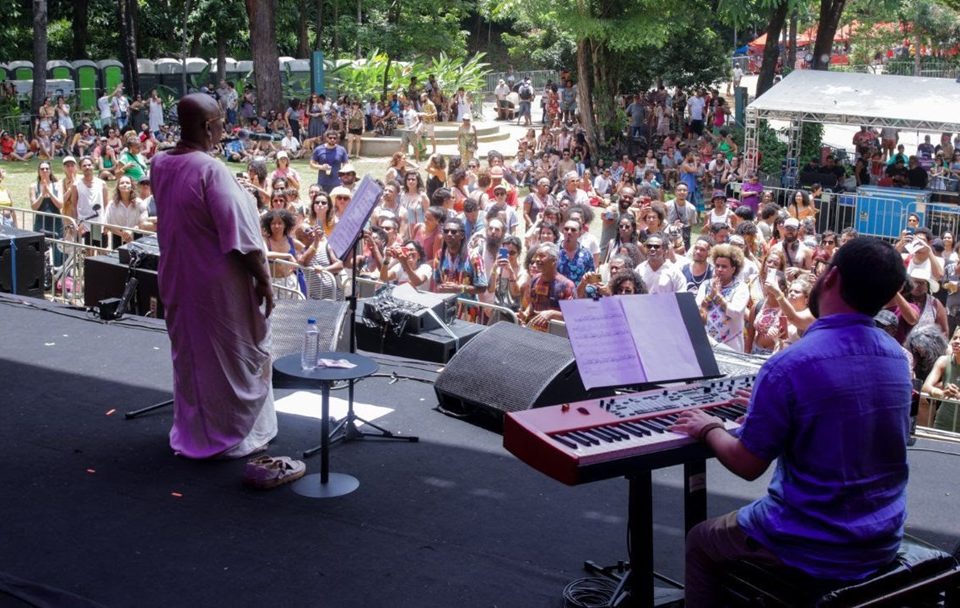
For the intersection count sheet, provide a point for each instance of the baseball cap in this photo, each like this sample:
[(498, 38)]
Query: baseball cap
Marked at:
[(282, 154), (791, 223), (885, 318), (347, 168), (69, 159), (718, 194), (496, 172), (499, 187)]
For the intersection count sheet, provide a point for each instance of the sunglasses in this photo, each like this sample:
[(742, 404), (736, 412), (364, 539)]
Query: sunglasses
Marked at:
[(566, 229), (451, 231), (654, 246), (342, 198), (831, 242), (44, 168)]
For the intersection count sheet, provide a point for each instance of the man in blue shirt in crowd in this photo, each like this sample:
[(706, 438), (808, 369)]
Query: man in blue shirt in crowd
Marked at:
[(834, 411)]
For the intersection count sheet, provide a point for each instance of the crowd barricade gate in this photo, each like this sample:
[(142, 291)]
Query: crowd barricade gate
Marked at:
[(940, 217), (938, 418)]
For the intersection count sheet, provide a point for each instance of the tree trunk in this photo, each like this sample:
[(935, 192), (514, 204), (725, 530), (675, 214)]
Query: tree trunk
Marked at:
[(386, 77), (221, 55), (128, 45), (195, 48), (830, 13), (771, 50), (792, 42), (319, 44), (359, 25), (916, 50), (585, 93), (263, 44), (80, 14), (39, 56), (184, 47), (336, 27), (303, 30)]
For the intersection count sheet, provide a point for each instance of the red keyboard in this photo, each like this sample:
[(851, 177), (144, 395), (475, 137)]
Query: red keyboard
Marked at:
[(601, 438)]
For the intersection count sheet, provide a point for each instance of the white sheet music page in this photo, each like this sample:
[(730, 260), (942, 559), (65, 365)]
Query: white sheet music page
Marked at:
[(602, 343)]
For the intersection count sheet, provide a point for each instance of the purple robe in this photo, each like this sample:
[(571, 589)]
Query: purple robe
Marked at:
[(220, 339)]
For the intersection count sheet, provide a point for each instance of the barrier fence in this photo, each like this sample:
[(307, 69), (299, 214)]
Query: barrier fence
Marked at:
[(938, 418)]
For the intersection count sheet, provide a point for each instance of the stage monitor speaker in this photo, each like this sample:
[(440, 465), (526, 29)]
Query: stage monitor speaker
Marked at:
[(21, 262), (509, 368), (289, 321), (105, 278)]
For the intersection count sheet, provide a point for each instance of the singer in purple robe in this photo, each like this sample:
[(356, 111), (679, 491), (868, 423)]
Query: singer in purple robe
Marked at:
[(213, 281)]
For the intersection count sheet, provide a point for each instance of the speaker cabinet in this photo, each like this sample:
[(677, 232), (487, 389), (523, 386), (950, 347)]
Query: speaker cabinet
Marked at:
[(509, 368), (105, 277), (21, 262)]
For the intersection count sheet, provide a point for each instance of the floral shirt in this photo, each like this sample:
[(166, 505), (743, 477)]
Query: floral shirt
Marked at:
[(547, 295), (465, 269), (575, 267), (726, 326)]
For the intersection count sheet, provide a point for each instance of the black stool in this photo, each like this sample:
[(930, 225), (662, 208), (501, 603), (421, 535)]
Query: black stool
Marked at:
[(918, 577)]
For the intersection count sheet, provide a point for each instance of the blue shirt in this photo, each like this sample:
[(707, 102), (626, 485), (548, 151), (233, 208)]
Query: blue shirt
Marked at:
[(335, 157), (834, 409), (575, 267)]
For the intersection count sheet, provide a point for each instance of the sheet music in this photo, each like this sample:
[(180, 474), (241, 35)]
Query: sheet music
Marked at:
[(355, 217), (602, 343), (660, 337)]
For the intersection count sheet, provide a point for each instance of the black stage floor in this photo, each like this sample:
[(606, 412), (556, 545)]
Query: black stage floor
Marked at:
[(97, 506)]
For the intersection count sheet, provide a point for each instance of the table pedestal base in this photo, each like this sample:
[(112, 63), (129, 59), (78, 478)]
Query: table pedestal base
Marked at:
[(337, 484)]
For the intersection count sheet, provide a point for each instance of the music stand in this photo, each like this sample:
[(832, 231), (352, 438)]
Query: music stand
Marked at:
[(346, 239), (666, 342)]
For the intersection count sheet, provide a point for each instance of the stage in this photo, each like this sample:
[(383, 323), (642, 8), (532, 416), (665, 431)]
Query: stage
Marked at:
[(98, 506)]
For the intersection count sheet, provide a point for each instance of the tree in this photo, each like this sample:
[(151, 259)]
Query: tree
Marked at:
[(266, 61), (830, 13), (39, 55), (80, 12), (771, 48), (127, 10), (303, 30)]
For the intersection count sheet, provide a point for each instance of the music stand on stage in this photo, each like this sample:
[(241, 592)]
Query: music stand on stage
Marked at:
[(665, 342), (346, 239)]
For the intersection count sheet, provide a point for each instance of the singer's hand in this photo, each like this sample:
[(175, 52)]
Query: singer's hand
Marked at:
[(264, 293)]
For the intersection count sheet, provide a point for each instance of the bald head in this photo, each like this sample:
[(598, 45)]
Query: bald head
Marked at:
[(199, 116)]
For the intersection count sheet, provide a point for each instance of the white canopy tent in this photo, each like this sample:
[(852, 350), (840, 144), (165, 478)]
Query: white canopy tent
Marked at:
[(847, 98)]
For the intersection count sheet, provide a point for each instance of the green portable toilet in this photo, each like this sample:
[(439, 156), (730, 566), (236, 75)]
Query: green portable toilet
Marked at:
[(230, 70), (111, 74), (4, 72), (88, 82), (21, 70), (60, 70), (147, 70), (198, 73)]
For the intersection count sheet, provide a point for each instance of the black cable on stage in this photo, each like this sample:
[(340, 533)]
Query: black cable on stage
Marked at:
[(589, 592)]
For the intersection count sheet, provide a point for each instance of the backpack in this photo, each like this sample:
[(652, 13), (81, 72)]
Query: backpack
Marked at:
[(526, 92)]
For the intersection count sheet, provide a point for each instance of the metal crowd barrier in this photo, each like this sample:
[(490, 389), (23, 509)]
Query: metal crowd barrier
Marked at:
[(482, 312), (938, 418), (320, 284)]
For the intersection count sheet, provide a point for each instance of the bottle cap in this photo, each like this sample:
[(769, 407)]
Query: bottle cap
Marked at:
[(311, 321)]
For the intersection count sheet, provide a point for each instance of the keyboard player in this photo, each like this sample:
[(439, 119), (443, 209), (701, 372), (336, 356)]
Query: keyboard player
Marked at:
[(833, 410)]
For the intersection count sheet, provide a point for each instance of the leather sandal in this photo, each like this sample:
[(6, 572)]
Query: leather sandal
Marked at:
[(266, 472)]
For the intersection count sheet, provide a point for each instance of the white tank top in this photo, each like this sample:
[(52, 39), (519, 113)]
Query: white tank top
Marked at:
[(87, 197)]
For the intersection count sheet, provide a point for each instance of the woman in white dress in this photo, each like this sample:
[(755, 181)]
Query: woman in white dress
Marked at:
[(64, 119), (156, 112)]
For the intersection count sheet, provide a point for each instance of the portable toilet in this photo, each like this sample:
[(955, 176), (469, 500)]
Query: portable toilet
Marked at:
[(60, 70), (147, 70), (244, 67), (230, 71), (296, 75), (198, 73), (169, 73), (88, 82), (4, 72), (111, 74), (21, 70)]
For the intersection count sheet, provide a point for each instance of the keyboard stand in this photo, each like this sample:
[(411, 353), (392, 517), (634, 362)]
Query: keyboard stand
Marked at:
[(636, 580)]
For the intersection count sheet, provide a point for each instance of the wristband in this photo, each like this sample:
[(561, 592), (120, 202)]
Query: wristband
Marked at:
[(702, 436)]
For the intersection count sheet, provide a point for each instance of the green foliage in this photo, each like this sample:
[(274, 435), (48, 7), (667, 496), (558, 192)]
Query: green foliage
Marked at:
[(772, 144), (364, 78)]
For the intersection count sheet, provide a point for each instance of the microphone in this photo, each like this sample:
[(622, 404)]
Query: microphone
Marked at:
[(96, 212)]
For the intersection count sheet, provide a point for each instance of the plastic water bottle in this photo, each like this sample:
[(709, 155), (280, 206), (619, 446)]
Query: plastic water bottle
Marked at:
[(311, 340)]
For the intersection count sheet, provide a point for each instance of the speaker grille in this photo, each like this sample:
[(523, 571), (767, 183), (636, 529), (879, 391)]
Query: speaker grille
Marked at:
[(507, 368), (289, 320)]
